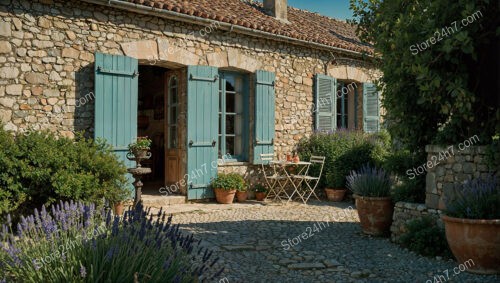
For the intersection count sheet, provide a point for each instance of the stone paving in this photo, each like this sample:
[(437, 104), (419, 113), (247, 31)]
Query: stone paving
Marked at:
[(320, 242)]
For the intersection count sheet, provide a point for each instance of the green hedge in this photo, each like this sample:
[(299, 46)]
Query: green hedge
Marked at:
[(39, 168), (344, 151)]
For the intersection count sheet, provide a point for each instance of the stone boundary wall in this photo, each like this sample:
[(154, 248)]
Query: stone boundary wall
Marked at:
[(449, 167), (405, 212)]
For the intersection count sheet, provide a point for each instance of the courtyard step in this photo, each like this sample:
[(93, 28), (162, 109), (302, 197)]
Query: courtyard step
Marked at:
[(161, 201)]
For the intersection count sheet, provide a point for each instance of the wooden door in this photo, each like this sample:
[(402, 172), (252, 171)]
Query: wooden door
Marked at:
[(172, 151)]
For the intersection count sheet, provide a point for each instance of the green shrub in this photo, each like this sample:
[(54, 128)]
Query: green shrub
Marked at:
[(409, 190), (424, 237), (39, 168), (228, 182), (344, 151)]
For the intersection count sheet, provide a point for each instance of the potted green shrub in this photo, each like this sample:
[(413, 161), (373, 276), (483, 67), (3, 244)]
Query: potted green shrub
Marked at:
[(371, 188), (242, 194), (140, 148), (117, 198), (260, 191), (226, 185), (472, 223), (335, 182)]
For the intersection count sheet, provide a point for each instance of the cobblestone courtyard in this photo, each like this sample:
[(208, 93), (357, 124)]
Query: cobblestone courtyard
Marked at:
[(260, 243)]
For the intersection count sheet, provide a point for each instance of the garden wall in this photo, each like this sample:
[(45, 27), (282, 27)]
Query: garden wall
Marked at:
[(449, 168), (405, 212)]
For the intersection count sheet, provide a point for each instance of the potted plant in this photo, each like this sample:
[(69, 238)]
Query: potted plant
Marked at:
[(117, 198), (335, 190), (371, 188), (472, 223), (242, 194), (140, 148), (260, 191), (226, 185)]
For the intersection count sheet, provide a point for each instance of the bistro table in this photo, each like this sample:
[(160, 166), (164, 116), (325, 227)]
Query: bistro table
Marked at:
[(282, 165)]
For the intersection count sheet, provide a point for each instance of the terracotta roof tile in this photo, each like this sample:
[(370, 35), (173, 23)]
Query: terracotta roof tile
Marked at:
[(302, 24)]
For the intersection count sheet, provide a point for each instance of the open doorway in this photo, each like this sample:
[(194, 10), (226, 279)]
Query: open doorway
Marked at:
[(151, 123)]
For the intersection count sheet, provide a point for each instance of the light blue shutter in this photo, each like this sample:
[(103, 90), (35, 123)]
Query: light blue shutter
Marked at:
[(371, 108), (202, 130), (325, 103), (264, 115), (116, 90)]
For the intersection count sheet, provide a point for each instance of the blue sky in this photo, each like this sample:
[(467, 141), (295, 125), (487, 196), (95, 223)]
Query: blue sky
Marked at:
[(338, 9)]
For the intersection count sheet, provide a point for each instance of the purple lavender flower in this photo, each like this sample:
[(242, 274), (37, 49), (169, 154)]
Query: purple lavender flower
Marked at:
[(83, 271)]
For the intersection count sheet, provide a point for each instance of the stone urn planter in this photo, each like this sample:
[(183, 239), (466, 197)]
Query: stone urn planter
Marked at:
[(475, 239), (335, 194), (241, 196), (375, 214), (224, 196)]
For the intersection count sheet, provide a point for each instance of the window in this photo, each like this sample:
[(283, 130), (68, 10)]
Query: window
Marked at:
[(342, 105), (173, 111), (233, 116)]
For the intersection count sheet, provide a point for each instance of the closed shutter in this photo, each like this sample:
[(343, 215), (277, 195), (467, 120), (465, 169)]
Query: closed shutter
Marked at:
[(264, 115), (202, 130), (325, 103), (371, 108), (116, 90)]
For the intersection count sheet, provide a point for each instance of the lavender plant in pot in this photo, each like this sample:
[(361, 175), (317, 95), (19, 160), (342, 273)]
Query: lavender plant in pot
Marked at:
[(371, 187), (472, 224)]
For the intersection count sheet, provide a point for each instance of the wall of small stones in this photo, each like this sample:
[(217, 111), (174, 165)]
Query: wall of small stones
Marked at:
[(404, 212), (447, 171), (47, 74)]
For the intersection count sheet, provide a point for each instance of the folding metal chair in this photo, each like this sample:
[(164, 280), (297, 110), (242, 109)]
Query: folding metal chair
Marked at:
[(275, 182), (310, 182)]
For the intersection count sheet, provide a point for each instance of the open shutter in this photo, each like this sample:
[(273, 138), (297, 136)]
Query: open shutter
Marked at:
[(371, 108), (264, 115), (325, 103), (202, 130), (116, 90)]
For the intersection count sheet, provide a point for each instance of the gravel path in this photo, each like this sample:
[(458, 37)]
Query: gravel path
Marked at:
[(320, 242)]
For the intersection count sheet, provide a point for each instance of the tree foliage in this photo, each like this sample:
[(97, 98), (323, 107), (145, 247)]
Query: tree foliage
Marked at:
[(444, 93)]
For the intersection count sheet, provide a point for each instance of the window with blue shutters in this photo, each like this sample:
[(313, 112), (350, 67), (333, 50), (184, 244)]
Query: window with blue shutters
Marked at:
[(233, 116)]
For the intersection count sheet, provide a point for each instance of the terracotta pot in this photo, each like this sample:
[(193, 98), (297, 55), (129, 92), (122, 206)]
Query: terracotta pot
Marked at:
[(475, 239), (335, 194), (260, 196), (296, 159), (241, 196), (375, 214), (223, 196), (118, 208)]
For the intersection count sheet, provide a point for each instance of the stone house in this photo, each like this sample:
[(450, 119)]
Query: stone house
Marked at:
[(213, 83)]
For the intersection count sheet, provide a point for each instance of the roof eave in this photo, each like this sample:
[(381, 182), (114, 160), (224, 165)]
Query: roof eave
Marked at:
[(171, 15)]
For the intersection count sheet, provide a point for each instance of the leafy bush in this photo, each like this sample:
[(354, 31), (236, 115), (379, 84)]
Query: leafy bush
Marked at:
[(228, 182), (409, 190), (344, 151), (424, 237), (74, 242), (369, 182), (39, 168), (476, 199)]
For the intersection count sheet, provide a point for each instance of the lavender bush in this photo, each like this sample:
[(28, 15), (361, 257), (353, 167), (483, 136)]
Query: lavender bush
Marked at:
[(476, 199), (74, 242), (369, 182)]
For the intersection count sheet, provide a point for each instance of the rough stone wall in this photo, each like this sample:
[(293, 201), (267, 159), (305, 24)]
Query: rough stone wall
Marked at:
[(447, 171), (405, 212), (47, 74)]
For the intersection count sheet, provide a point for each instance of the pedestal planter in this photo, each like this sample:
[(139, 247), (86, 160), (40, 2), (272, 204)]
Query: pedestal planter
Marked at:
[(224, 196), (375, 214), (241, 196), (475, 239), (260, 196), (335, 194)]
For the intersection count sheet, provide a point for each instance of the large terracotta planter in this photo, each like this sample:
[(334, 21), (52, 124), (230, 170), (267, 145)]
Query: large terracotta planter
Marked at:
[(118, 208), (260, 196), (335, 194), (375, 214), (474, 239), (241, 196), (223, 196)]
